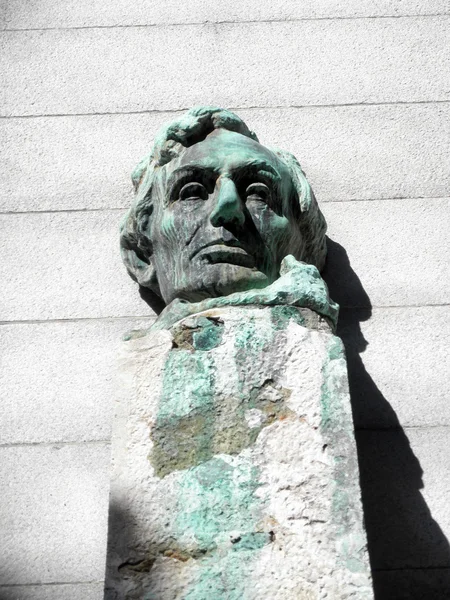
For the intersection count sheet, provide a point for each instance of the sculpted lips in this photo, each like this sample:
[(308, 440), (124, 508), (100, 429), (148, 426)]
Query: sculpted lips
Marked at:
[(219, 252)]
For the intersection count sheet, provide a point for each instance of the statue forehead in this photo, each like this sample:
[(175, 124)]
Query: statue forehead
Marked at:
[(226, 150)]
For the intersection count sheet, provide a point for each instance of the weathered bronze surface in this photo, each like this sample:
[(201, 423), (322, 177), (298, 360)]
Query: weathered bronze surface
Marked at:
[(216, 212)]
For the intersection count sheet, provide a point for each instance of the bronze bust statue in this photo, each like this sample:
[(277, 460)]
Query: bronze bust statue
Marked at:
[(216, 213)]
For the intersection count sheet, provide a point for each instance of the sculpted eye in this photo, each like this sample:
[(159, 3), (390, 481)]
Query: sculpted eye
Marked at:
[(193, 191), (257, 191)]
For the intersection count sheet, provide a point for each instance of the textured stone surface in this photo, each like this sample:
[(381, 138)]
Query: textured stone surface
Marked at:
[(70, 13), (73, 267), (394, 252), (351, 152), (53, 513), (68, 591), (234, 464), (398, 363), (67, 373), (340, 61)]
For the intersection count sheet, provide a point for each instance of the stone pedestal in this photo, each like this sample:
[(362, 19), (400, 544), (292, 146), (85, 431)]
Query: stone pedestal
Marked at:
[(235, 473)]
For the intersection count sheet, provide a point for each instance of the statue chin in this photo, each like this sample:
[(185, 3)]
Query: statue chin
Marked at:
[(220, 279)]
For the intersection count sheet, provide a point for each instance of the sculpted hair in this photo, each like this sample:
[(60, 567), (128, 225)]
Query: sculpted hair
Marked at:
[(171, 141)]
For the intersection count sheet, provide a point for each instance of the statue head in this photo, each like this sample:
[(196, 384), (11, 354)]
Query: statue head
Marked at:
[(215, 212)]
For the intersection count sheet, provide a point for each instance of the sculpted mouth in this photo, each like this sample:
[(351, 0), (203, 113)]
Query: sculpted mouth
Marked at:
[(219, 252)]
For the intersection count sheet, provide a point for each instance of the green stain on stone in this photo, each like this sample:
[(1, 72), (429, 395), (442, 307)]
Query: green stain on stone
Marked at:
[(188, 384), (199, 333), (200, 434), (182, 441), (252, 541), (193, 424), (215, 498), (183, 430), (218, 515), (208, 337), (281, 315), (247, 336)]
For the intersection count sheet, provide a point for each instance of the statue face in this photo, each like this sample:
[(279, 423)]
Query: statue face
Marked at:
[(219, 225)]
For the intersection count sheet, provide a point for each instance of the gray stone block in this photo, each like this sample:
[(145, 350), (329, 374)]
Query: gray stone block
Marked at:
[(70, 267), (58, 380), (278, 64), (53, 513), (70, 13), (353, 152), (405, 484), (388, 252), (398, 364), (68, 591)]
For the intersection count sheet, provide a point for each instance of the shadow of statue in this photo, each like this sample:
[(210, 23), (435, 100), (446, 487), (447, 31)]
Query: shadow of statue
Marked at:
[(403, 539), (121, 552)]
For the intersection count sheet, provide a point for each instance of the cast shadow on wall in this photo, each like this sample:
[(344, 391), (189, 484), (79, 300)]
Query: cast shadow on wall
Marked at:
[(402, 534)]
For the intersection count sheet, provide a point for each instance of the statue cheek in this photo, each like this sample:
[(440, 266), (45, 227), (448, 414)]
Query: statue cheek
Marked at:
[(163, 231), (274, 228), (168, 225)]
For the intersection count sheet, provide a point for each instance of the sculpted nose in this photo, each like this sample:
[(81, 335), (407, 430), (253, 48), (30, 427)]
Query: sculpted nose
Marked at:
[(229, 209)]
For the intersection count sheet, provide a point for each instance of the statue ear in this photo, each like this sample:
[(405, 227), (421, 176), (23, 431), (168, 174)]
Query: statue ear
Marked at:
[(312, 222), (142, 272), (135, 244), (137, 252), (302, 188)]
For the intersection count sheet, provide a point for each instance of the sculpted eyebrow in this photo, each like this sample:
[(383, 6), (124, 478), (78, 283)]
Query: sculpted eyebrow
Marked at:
[(260, 167), (187, 171), (185, 174)]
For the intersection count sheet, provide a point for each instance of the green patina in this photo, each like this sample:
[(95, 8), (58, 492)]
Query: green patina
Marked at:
[(332, 415), (199, 333), (281, 315), (182, 433), (300, 285), (249, 339), (200, 434), (218, 510), (191, 185), (207, 337), (193, 423)]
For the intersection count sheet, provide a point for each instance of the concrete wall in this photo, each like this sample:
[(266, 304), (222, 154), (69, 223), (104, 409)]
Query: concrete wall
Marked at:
[(360, 92)]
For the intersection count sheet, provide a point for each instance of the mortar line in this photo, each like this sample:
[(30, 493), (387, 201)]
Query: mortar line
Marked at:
[(227, 22), (232, 108), (41, 584), (154, 316), (76, 320), (107, 441), (125, 208), (64, 210), (58, 443)]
